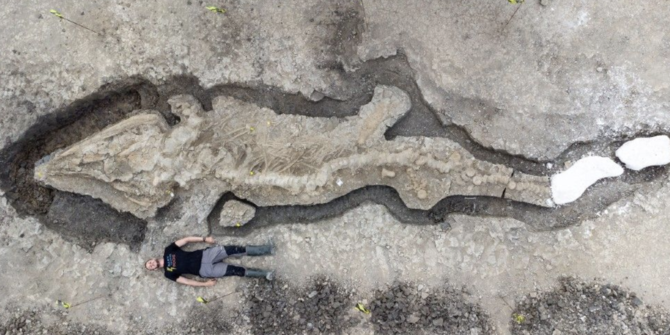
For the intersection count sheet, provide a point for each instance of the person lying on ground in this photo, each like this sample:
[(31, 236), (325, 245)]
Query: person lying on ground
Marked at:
[(206, 263)]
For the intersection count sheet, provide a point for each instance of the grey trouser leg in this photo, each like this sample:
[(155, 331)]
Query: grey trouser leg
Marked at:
[(211, 266)]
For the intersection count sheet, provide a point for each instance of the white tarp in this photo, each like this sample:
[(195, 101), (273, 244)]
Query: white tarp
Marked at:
[(644, 152), (570, 184)]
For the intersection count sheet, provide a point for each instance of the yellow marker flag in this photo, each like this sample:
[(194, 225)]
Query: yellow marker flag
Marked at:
[(201, 300), (60, 16), (63, 304), (55, 12), (216, 9), (362, 308), (518, 318)]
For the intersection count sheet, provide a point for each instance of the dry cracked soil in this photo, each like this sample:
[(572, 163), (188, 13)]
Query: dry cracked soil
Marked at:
[(443, 225)]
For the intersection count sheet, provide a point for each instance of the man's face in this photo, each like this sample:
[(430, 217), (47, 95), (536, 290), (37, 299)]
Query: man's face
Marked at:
[(151, 264)]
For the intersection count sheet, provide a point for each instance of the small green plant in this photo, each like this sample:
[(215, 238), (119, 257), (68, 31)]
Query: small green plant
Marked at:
[(518, 318)]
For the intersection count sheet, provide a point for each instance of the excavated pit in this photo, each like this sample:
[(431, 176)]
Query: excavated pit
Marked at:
[(599, 197), (115, 102), (58, 130)]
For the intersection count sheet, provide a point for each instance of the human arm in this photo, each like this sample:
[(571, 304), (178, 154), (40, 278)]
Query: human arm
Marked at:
[(194, 239), (191, 282)]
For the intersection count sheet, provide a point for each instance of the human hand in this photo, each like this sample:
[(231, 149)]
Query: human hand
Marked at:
[(210, 282), (210, 240)]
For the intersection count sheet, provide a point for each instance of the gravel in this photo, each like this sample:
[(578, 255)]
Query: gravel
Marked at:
[(404, 309), (319, 308), (578, 307), (324, 307), (31, 322)]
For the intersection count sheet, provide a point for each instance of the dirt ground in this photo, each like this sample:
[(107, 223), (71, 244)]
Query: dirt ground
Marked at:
[(556, 82)]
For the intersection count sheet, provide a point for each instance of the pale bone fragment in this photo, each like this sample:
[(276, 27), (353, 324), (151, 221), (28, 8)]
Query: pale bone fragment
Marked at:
[(387, 173)]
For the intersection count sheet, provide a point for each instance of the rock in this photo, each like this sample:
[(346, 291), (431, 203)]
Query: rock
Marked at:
[(387, 173), (421, 161), (422, 194), (544, 314), (545, 2), (236, 213), (413, 319), (477, 180), (316, 96), (439, 322)]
